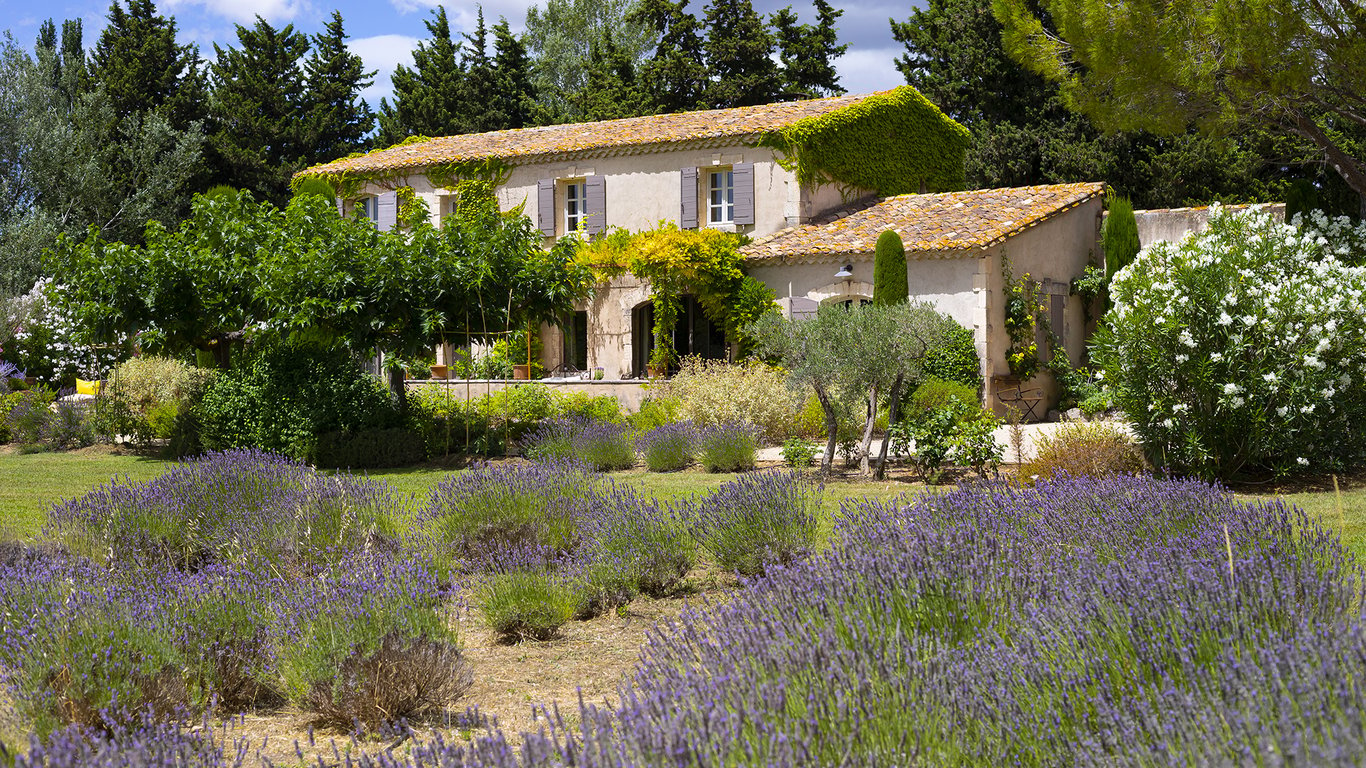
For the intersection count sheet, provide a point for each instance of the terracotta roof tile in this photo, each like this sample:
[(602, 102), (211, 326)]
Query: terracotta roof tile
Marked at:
[(928, 224), (523, 143)]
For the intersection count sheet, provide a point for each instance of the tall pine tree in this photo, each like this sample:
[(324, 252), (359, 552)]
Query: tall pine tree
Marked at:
[(428, 96), (516, 96), (739, 50), (808, 52), (142, 68), (258, 135), (338, 119), (613, 88), (676, 76)]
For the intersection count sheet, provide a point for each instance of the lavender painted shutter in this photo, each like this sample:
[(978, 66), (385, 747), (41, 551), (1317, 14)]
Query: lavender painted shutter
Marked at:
[(744, 193), (595, 204), (687, 211), (386, 211), (1056, 317), (545, 206)]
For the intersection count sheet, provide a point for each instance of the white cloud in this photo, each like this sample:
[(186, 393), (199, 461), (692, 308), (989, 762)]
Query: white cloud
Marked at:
[(464, 15), (869, 69), (245, 11), (382, 53)]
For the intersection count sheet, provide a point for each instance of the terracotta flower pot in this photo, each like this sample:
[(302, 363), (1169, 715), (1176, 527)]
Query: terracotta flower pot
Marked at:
[(521, 372), (440, 372)]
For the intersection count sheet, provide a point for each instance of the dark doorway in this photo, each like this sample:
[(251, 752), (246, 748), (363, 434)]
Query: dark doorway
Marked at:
[(693, 334), (575, 334)]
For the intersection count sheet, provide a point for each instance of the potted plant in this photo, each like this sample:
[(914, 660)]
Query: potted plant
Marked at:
[(660, 359), (521, 372)]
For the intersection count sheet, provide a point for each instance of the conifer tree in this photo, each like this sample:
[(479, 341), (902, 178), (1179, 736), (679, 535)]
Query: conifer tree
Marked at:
[(739, 54), (676, 76), (808, 52), (142, 68), (258, 101), (338, 119), (515, 97), (479, 96), (561, 37), (613, 89), (428, 96), (890, 281)]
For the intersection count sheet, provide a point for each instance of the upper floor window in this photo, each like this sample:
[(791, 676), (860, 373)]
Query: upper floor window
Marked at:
[(368, 207), (721, 197), (574, 200)]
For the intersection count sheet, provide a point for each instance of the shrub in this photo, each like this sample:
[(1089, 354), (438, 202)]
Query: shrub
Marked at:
[(761, 520), (234, 506), (527, 604), (448, 423), (143, 397), (37, 424), (955, 359), (1242, 348), (711, 393), (600, 445), (1119, 234), (945, 424), (934, 394), (1079, 448), (728, 447), (368, 449), (1100, 402), (975, 446), (489, 510), (669, 447), (798, 452), (287, 395), (655, 412), (518, 408), (368, 645), (580, 405), (889, 269), (643, 538)]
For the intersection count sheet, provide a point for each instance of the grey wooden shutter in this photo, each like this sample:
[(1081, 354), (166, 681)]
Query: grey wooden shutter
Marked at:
[(744, 193), (545, 206), (1056, 315), (386, 211), (595, 204), (687, 211)]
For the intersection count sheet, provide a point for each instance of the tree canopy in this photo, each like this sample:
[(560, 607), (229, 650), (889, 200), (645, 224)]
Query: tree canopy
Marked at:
[(1294, 66)]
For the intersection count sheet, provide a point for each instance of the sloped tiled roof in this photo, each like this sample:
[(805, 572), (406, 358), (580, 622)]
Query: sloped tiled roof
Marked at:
[(524, 143), (929, 225)]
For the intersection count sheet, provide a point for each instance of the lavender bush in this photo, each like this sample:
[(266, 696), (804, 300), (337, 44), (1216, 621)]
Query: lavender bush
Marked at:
[(728, 447), (491, 509), (531, 603), (643, 538), (668, 448), (145, 744), (757, 521), (230, 506), (601, 445)]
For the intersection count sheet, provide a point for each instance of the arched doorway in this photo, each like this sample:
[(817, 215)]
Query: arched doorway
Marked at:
[(693, 334)]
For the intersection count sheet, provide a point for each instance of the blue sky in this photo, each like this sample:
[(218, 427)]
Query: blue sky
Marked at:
[(384, 32)]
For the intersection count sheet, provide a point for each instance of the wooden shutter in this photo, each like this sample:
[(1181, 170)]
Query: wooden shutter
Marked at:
[(744, 193), (386, 211), (1056, 317), (687, 211), (545, 206), (595, 204)]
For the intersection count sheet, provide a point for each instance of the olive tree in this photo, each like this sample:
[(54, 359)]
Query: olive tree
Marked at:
[(850, 355)]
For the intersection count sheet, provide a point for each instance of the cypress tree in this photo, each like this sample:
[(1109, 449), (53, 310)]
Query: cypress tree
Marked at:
[(257, 108), (676, 76), (142, 69), (516, 96), (808, 52), (739, 50), (427, 97), (480, 99), (1119, 235), (338, 119), (613, 89), (890, 283)]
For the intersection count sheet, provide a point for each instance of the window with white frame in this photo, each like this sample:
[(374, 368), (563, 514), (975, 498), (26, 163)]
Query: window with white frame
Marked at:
[(721, 197), (573, 205), (368, 207)]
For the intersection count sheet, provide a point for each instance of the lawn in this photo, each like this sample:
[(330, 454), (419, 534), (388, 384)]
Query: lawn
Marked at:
[(31, 483)]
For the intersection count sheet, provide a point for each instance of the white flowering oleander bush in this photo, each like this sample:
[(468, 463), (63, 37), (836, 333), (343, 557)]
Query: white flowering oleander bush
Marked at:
[(1242, 349), (48, 344)]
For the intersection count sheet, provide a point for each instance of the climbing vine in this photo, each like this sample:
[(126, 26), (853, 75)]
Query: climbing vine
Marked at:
[(892, 143), (350, 183), (1024, 312), (676, 262)]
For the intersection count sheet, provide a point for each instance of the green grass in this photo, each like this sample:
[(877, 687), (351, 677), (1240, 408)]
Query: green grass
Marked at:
[(31, 483)]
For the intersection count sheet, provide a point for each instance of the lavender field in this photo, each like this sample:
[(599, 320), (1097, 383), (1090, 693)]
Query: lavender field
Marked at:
[(1125, 621)]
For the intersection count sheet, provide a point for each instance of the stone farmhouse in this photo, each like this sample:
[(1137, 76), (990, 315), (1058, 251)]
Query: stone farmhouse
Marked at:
[(812, 183)]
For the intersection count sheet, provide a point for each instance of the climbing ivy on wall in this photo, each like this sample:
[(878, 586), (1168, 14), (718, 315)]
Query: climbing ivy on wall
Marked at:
[(676, 262), (891, 143), (349, 183)]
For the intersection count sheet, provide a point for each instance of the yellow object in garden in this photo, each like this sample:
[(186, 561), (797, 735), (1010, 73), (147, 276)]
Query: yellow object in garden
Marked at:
[(84, 387)]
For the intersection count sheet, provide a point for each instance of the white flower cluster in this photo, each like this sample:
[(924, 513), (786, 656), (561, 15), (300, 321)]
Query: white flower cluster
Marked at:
[(47, 341), (1252, 332)]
